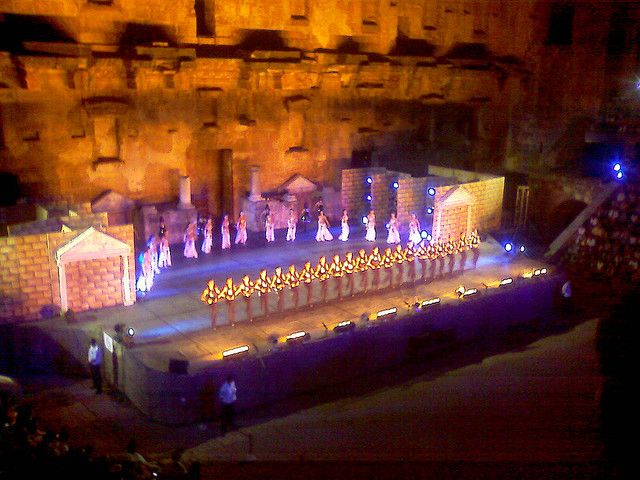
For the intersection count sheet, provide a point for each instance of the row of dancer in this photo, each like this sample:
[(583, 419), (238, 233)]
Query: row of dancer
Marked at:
[(424, 253), (155, 256)]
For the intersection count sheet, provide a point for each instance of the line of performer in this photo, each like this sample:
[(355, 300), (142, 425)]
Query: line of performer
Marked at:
[(430, 255)]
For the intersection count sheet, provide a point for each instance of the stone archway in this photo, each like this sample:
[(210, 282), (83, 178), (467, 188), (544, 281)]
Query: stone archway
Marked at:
[(108, 255)]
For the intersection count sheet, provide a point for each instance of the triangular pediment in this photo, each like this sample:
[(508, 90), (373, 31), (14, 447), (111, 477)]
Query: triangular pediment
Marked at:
[(110, 201), (298, 184), (457, 196), (91, 244)]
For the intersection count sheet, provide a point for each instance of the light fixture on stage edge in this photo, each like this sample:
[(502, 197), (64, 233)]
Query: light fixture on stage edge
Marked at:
[(345, 326), (506, 281), (508, 247), (430, 302), (387, 313), (297, 337), (131, 331), (235, 352), (463, 292), (522, 248)]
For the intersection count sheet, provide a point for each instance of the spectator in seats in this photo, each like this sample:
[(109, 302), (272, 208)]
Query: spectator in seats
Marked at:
[(94, 357)]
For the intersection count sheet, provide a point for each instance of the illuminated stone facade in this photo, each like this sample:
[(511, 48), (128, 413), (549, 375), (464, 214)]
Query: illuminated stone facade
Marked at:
[(129, 95)]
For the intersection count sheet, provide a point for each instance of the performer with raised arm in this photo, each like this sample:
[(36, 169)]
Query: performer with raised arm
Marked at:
[(225, 233), (410, 258), (475, 246), (394, 234), (461, 247), (211, 295), (323, 228), (208, 236), (292, 280), (162, 228), (344, 222), (434, 258), (414, 230), (306, 276), (337, 272), (399, 257), (387, 262), (269, 228), (291, 226), (190, 235), (263, 286), (246, 289), (164, 260), (277, 284), (361, 267), (374, 262), (370, 236), (229, 292), (322, 274), (450, 252), (348, 267), (241, 233)]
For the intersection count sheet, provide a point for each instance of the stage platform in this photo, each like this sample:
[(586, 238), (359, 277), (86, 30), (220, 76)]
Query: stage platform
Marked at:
[(172, 326)]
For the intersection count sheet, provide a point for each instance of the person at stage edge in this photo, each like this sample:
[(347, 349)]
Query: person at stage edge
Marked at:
[(228, 397), (94, 357)]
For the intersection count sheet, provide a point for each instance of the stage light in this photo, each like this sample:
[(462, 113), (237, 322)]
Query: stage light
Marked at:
[(506, 281), (617, 167), (235, 351), (387, 312), (536, 272), (424, 234), (365, 220), (431, 191), (527, 275), (395, 185), (429, 210), (471, 291), (368, 197), (508, 247), (344, 326), (369, 180), (543, 271), (522, 249), (296, 337), (460, 291), (131, 331), (619, 175), (431, 301)]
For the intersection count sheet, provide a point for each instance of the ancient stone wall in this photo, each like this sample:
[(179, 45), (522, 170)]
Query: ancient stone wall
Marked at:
[(29, 284)]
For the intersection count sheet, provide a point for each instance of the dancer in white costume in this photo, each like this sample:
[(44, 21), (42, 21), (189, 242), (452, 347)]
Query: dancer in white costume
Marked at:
[(371, 227), (291, 226), (152, 245), (394, 234), (190, 236), (208, 237), (323, 229), (164, 260), (241, 226), (344, 235), (269, 228), (224, 231), (414, 230)]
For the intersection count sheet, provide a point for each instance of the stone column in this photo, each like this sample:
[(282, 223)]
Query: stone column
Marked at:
[(254, 194), (184, 186)]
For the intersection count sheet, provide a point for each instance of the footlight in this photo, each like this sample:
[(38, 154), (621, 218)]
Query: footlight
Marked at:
[(469, 292), (430, 302), (508, 247), (345, 326), (296, 337), (506, 281), (387, 313), (235, 352), (522, 249)]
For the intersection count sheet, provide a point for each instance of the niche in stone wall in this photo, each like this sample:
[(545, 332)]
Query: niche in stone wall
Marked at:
[(105, 114), (296, 107)]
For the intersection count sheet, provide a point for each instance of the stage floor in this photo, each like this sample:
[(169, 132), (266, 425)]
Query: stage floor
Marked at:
[(171, 322)]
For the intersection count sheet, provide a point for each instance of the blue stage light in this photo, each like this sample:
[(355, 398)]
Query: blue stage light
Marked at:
[(619, 175), (368, 197), (369, 180), (395, 185), (508, 247), (616, 167), (429, 210), (131, 331), (522, 249), (431, 191), (424, 234), (365, 220)]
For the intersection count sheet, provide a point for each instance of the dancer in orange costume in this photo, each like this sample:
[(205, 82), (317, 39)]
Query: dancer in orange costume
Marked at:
[(450, 251), (306, 276), (475, 247), (225, 233), (207, 243), (440, 252), (241, 233), (399, 259), (409, 254), (348, 268), (461, 247), (292, 281), (277, 284), (387, 263), (361, 267), (373, 263), (421, 254), (229, 292), (246, 289), (211, 295), (336, 271), (263, 287), (322, 274)]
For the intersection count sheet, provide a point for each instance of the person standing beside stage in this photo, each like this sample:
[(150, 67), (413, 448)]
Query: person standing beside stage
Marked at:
[(394, 235), (241, 226), (224, 231), (190, 236), (323, 229), (94, 357), (228, 397), (208, 237), (291, 226), (344, 235), (414, 230), (371, 227), (269, 228)]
